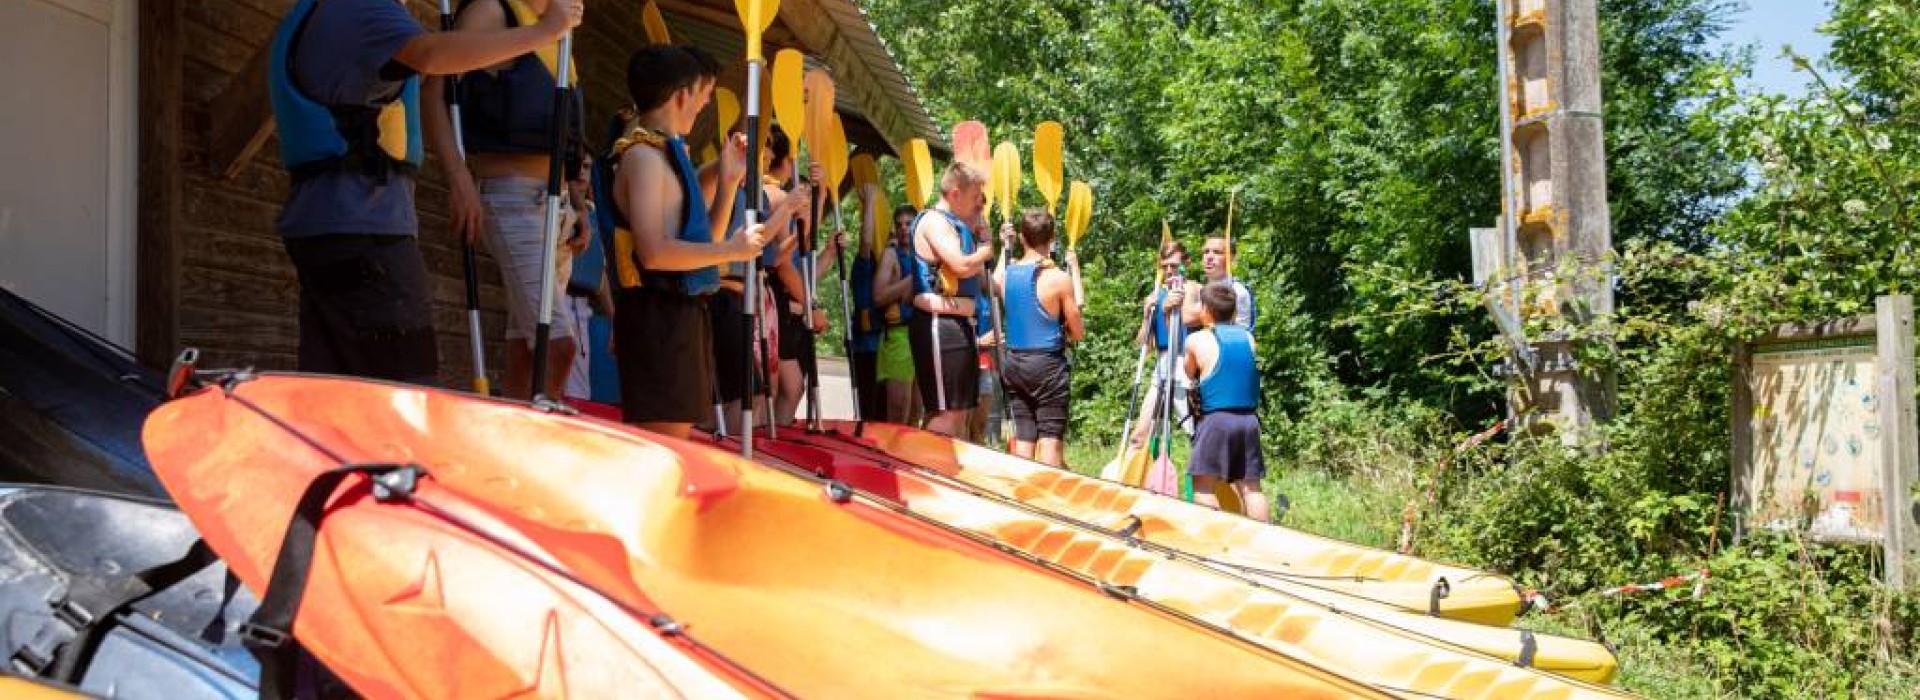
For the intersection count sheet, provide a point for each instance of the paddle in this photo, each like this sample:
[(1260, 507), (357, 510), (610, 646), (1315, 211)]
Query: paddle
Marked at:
[(1006, 176), (918, 164), (790, 110), (468, 265), (654, 25), (820, 123), (1048, 161), (866, 172), (1120, 469), (726, 111), (1079, 215), (755, 17), (971, 147), (836, 165), (556, 162)]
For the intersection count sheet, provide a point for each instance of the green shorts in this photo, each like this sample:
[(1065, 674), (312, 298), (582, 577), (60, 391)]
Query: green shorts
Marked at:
[(896, 356)]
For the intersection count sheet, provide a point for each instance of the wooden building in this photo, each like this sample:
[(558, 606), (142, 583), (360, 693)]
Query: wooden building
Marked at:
[(141, 180)]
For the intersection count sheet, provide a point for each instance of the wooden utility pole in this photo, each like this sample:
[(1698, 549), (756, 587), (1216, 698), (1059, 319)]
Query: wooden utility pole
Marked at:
[(1548, 266)]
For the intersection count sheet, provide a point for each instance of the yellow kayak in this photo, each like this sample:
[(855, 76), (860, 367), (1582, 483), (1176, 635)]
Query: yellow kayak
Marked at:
[(1426, 656), (1257, 550)]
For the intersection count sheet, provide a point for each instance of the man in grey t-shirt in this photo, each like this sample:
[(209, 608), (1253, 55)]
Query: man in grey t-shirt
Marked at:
[(345, 71)]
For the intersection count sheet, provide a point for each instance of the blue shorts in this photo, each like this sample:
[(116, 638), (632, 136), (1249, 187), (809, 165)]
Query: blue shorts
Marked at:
[(1227, 446)]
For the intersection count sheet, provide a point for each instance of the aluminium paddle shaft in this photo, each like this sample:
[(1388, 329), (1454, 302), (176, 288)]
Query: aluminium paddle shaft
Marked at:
[(562, 103), (468, 266)]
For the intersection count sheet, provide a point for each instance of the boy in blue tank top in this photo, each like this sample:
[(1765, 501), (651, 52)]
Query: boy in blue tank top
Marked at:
[(1226, 447), (669, 241), (1042, 316)]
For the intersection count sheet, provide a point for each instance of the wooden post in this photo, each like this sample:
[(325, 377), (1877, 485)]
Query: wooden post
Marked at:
[(157, 273), (1900, 456)]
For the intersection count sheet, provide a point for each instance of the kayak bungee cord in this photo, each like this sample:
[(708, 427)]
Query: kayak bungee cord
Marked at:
[(396, 484), (843, 493), (1527, 637)]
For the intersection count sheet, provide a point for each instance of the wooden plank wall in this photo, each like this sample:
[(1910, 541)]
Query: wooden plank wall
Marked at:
[(232, 291)]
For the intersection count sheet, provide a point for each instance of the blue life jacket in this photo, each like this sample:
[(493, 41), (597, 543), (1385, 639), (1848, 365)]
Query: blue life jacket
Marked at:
[(317, 138), (589, 264), (512, 110), (695, 227), (982, 312), (1029, 326), (929, 277), (1234, 382), (1159, 320)]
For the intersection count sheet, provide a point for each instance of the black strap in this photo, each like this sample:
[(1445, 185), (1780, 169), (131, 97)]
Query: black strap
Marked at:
[(268, 635), (1441, 589), (62, 648), (1528, 646)]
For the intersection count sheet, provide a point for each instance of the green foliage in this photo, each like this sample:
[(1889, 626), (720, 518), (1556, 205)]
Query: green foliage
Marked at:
[(1360, 137)]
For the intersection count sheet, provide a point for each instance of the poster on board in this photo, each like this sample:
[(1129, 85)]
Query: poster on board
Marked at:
[(1816, 440)]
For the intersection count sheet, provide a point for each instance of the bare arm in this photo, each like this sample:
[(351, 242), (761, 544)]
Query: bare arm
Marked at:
[(1145, 335), (1193, 363), (1060, 289), (446, 53), (731, 169), (938, 235), (890, 283), (641, 172), (1190, 313), (437, 123)]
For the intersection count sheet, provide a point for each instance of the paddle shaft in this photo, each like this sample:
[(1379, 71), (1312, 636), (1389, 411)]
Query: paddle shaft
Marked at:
[(468, 267), (556, 162), (752, 292), (1133, 395), (846, 315), (1177, 334)]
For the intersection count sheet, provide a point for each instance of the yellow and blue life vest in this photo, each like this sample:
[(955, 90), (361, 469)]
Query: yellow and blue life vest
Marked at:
[(694, 225), (317, 138)]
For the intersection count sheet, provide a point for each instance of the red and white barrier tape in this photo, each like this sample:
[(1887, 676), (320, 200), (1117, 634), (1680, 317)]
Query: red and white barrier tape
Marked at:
[(1538, 601), (1412, 513)]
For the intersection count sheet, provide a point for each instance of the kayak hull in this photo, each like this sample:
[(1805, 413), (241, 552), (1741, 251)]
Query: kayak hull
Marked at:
[(1258, 550), (1362, 639), (732, 552)]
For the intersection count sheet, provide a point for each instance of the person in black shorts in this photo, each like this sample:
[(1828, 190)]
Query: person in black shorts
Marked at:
[(664, 254), (1226, 447), (948, 263), (1042, 316)]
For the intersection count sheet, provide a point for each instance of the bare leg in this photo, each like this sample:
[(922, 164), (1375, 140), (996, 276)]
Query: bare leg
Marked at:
[(1052, 452), (899, 402), (518, 374), (787, 396), (678, 430), (949, 423), (559, 365), (1022, 449), (1203, 491), (1251, 498)]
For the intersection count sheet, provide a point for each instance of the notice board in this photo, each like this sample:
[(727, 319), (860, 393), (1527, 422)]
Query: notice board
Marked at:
[(1824, 431)]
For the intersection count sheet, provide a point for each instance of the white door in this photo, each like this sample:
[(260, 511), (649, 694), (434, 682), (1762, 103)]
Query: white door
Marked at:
[(67, 159)]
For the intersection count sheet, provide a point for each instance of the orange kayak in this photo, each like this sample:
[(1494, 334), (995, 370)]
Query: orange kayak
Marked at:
[(1428, 656), (1258, 550), (821, 592)]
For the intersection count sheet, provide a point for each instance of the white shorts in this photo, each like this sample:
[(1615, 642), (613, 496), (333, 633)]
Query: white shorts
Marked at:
[(515, 230)]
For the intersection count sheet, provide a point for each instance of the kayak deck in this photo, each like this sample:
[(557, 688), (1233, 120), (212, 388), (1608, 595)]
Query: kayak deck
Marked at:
[(1257, 550), (818, 593)]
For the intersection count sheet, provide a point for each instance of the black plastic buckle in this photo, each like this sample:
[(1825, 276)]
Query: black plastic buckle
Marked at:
[(261, 637)]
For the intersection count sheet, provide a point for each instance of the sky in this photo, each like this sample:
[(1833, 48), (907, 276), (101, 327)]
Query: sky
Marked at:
[(1769, 24)]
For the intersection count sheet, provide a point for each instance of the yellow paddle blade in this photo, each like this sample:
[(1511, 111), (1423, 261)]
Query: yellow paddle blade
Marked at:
[(707, 154), (833, 152), (1079, 211), (755, 17), (654, 24), (918, 162), (819, 119), (1048, 160), (726, 110), (789, 94), (865, 171), (1006, 177), (881, 213)]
